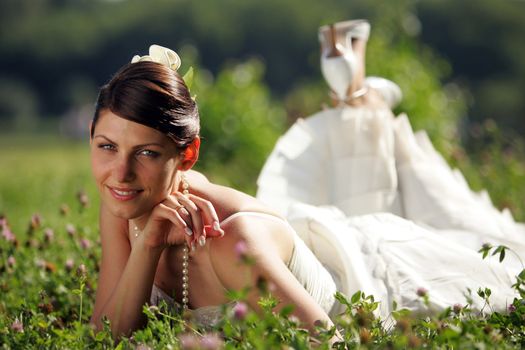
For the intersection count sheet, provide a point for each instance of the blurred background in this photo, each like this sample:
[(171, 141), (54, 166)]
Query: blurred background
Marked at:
[(460, 64)]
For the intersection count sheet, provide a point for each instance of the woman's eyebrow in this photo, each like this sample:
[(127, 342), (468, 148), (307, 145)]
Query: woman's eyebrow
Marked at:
[(150, 144), (136, 146), (104, 137)]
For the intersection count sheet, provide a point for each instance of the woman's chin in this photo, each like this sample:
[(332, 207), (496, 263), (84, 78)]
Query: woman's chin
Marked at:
[(127, 213)]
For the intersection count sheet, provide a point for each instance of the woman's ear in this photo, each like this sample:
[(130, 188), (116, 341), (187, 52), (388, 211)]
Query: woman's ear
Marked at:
[(190, 154)]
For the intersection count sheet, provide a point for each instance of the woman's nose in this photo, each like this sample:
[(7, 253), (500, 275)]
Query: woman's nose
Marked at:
[(124, 171)]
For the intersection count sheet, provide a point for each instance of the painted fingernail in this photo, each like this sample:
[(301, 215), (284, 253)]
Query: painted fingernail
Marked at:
[(193, 246), (202, 241), (188, 231), (216, 226)]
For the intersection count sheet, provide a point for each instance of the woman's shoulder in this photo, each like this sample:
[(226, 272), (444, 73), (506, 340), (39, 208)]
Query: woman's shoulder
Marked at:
[(255, 233), (244, 218)]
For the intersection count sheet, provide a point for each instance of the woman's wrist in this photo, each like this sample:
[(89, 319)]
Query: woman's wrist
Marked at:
[(148, 245)]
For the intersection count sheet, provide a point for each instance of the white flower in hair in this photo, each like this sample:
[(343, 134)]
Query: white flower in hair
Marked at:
[(160, 54)]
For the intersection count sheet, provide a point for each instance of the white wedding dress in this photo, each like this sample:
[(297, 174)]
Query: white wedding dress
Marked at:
[(382, 211)]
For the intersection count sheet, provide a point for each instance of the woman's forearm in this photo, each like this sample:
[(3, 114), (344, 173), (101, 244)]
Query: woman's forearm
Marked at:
[(133, 290)]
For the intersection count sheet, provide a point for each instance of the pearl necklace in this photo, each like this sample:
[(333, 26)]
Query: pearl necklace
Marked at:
[(185, 271), (185, 255), (137, 231), (185, 278)]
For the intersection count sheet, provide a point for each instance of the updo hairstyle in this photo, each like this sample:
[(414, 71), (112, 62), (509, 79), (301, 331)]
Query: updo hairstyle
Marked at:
[(153, 95)]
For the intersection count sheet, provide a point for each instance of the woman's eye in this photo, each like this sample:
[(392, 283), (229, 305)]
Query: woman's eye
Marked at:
[(149, 153), (106, 146)]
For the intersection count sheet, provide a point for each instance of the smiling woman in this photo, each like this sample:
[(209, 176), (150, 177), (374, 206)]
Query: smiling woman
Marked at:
[(155, 212), (130, 174)]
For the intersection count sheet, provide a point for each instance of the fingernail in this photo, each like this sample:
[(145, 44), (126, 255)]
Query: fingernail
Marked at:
[(188, 231), (216, 226), (193, 246), (202, 241)]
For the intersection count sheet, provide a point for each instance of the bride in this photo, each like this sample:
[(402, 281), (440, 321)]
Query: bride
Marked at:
[(378, 206), (166, 231)]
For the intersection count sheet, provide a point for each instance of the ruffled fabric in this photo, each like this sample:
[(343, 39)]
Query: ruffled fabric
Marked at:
[(206, 316), (380, 207), (342, 157), (391, 258)]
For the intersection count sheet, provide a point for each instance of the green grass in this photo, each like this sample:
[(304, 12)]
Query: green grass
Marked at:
[(46, 303), (39, 174)]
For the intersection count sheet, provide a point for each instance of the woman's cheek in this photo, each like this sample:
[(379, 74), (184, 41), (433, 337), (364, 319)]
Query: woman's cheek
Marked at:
[(100, 169), (165, 182)]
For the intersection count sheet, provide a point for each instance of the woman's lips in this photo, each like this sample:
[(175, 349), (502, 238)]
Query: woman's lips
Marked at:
[(122, 194)]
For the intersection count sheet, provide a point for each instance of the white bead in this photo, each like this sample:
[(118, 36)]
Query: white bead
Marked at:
[(185, 300), (185, 293), (185, 264), (185, 278), (185, 285), (184, 271)]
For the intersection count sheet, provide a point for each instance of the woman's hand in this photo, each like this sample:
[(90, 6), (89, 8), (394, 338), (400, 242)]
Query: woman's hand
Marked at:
[(181, 219)]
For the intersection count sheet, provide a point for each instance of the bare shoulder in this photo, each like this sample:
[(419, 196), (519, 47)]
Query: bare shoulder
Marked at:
[(262, 237), (255, 238), (198, 176)]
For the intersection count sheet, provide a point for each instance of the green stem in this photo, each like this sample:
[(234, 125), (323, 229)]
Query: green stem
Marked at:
[(81, 301)]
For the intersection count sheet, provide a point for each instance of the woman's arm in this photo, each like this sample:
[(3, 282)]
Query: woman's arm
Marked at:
[(127, 273), (126, 276), (268, 245)]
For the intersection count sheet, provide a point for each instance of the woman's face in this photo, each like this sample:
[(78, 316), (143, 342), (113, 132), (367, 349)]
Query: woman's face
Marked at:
[(134, 166)]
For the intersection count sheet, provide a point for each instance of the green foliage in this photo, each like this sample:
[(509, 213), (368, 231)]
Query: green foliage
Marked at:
[(95, 37), (496, 163), (239, 124), (419, 73), (483, 40)]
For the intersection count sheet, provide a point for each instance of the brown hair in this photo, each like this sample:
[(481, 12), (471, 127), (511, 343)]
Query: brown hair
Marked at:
[(153, 95)]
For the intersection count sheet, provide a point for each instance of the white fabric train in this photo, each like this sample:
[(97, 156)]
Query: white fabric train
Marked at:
[(383, 210)]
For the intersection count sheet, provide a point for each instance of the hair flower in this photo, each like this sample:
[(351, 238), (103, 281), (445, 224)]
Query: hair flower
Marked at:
[(162, 55)]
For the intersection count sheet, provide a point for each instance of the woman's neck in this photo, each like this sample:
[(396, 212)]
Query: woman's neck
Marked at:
[(138, 224)]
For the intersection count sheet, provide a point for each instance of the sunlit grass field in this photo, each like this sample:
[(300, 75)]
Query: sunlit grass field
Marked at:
[(40, 174)]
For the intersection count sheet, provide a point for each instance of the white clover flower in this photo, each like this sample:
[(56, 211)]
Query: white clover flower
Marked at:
[(162, 55)]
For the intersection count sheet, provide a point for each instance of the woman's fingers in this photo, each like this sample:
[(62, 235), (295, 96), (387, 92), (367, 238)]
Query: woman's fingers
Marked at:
[(181, 211), (209, 215), (196, 217), (193, 215), (164, 212)]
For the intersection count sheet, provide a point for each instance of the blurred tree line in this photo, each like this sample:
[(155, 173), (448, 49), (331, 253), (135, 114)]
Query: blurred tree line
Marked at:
[(484, 41), (257, 63), (54, 53)]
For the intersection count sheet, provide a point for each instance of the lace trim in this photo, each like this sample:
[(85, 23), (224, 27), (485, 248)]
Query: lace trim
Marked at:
[(205, 316)]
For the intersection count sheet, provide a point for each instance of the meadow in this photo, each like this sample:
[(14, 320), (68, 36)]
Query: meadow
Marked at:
[(49, 255)]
